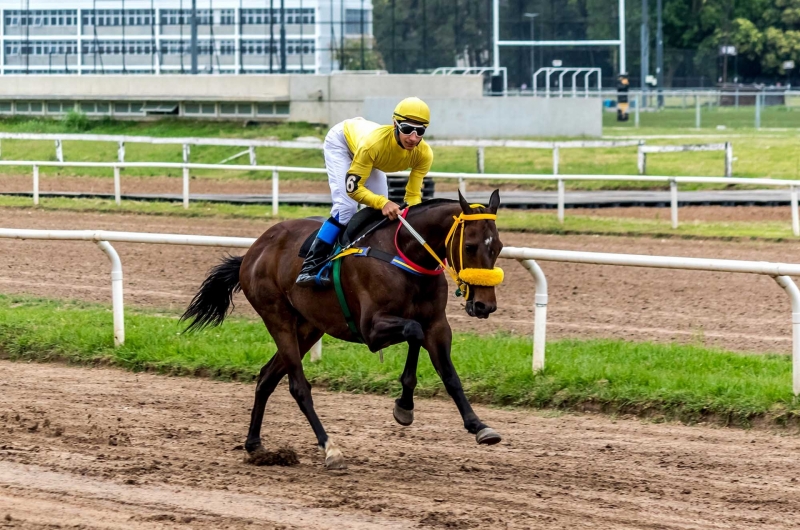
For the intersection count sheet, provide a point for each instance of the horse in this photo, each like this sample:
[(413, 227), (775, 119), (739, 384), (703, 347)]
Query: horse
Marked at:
[(388, 304)]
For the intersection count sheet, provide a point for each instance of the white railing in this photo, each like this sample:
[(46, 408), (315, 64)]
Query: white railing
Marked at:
[(727, 147), (562, 71), (781, 272), (474, 70), (251, 145), (462, 178)]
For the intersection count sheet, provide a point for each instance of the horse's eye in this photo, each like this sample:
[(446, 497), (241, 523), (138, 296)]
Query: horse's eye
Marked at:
[(471, 249)]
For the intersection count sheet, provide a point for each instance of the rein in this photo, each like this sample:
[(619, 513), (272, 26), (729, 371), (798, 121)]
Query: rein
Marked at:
[(466, 276)]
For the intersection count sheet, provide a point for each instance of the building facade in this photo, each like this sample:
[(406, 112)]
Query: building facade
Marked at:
[(155, 36)]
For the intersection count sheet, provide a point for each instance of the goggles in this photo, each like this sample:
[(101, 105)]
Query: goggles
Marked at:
[(407, 128)]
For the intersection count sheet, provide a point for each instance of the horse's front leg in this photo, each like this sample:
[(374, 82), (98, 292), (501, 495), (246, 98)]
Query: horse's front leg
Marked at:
[(386, 329), (438, 340)]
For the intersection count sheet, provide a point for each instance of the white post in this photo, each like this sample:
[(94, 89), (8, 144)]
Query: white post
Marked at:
[(758, 110), (638, 100), (795, 213), (59, 151), (116, 292), (185, 187), (622, 66), (316, 351), (561, 201), (35, 185), (117, 193), (641, 159), (696, 111), (462, 186), (540, 313), (1, 150), (728, 159), (555, 160), (121, 151), (481, 160), (495, 36), (673, 193), (186, 152), (275, 177), (794, 294), (252, 152)]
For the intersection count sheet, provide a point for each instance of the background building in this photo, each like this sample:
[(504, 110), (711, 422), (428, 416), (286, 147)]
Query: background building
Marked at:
[(155, 36)]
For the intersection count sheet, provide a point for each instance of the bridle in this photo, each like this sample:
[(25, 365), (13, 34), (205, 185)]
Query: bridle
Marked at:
[(465, 277)]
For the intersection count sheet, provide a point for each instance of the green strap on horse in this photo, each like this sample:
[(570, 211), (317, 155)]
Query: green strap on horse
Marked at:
[(337, 285)]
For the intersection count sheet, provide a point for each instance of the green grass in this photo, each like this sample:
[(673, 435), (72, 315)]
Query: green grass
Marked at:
[(534, 221), (759, 154), (689, 383)]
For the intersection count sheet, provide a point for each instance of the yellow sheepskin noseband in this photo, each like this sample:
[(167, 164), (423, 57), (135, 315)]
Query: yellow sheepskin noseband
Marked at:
[(482, 277)]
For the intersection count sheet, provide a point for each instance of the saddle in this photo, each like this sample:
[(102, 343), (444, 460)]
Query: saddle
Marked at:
[(361, 222)]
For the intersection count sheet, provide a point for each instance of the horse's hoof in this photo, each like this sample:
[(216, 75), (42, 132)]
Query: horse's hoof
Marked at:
[(334, 459), (402, 416), (488, 436)]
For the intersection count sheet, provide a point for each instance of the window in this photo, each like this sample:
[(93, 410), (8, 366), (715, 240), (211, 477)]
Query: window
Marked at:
[(226, 17), (265, 109), (282, 108), (208, 108), (227, 108), (122, 108), (353, 21), (5, 107), (191, 108), (87, 107), (244, 109)]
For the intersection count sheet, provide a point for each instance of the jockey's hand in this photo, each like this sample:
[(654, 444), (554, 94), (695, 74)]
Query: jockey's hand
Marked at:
[(391, 210)]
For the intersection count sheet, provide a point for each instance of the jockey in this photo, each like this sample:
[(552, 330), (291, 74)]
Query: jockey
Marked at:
[(358, 154)]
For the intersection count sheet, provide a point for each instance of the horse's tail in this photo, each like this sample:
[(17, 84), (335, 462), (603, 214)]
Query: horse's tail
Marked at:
[(210, 305)]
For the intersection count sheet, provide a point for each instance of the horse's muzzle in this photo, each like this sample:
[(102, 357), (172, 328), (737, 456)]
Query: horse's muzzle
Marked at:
[(479, 309)]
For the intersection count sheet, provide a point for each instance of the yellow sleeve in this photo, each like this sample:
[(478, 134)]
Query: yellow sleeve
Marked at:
[(418, 172), (357, 175)]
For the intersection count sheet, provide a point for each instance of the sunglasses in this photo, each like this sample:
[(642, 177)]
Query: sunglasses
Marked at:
[(407, 128)]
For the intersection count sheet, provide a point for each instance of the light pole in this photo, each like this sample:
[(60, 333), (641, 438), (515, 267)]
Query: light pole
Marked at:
[(532, 17)]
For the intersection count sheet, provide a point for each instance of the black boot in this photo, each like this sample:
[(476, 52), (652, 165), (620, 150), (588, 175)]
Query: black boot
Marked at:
[(315, 259)]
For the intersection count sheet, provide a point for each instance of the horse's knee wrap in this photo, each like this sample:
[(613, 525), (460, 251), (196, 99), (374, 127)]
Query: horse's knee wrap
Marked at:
[(412, 332)]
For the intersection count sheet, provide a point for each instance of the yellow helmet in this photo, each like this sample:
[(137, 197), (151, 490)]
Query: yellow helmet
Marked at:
[(413, 109)]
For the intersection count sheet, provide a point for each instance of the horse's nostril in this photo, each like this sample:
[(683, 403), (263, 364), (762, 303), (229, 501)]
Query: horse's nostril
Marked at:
[(480, 307)]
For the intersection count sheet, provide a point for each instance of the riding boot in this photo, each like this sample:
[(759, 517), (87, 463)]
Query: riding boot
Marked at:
[(318, 254)]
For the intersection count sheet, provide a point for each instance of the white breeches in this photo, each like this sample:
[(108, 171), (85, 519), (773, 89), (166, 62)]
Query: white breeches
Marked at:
[(337, 161)]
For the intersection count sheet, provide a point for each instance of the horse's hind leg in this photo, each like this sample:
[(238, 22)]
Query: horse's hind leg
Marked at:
[(293, 342), (271, 374)]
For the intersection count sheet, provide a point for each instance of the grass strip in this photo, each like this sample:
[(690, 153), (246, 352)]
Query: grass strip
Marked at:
[(512, 220), (665, 382)]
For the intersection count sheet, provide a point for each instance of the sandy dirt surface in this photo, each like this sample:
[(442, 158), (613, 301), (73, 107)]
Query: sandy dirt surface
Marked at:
[(101, 448), (735, 311)]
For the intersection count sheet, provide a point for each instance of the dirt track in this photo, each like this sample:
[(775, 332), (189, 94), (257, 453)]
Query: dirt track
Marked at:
[(102, 448), (734, 311)]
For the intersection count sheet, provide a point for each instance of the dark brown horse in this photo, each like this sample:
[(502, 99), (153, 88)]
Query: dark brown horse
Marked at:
[(389, 305)]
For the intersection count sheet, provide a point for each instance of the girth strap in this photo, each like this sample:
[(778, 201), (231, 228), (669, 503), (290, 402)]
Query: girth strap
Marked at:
[(337, 285)]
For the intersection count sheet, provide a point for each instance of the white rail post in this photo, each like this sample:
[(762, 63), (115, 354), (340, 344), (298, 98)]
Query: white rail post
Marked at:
[(673, 201), (275, 177), (252, 150), (539, 313), (35, 185), (117, 190), (186, 152), (795, 213), (316, 351), (481, 160), (637, 100), (641, 158), (1, 148), (462, 186), (121, 151), (116, 292), (794, 294), (59, 151), (561, 201), (555, 160), (186, 187), (728, 159), (696, 111), (758, 110)]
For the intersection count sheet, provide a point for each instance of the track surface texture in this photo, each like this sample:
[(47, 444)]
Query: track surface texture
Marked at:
[(739, 312), (102, 448)]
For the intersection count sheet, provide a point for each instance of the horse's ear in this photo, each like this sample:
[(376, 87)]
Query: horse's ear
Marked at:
[(465, 207), (494, 201)]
